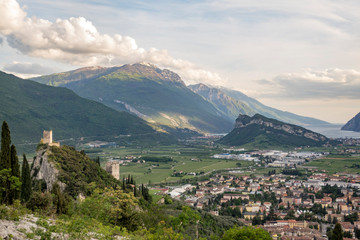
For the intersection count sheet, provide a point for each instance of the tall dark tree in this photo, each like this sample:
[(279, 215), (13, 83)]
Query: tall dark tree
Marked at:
[(26, 189), (59, 199), (97, 160), (15, 172), (15, 167), (5, 163), (337, 233), (271, 216), (145, 193), (5, 147)]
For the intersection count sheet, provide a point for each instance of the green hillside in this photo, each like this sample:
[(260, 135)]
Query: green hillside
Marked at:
[(260, 131), (63, 78), (30, 107), (158, 96)]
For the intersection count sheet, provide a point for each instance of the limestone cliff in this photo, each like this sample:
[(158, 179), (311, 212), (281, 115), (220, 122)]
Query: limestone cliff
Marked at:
[(45, 170)]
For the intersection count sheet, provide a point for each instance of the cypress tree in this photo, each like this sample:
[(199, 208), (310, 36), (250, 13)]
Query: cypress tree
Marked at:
[(5, 147), (15, 167), (135, 193), (15, 172), (5, 163), (59, 199), (26, 189), (337, 233)]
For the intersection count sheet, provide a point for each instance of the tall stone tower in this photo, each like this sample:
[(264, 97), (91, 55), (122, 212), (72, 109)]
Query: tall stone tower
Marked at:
[(113, 167), (48, 139)]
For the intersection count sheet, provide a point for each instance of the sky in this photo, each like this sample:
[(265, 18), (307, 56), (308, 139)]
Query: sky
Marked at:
[(297, 56)]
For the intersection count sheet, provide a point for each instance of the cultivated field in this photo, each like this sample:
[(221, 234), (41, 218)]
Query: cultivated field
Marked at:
[(186, 159)]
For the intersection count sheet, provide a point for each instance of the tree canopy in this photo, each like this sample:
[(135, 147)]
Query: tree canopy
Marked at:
[(246, 233)]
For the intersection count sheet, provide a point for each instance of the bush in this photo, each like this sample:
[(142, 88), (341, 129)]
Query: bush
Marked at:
[(13, 212), (41, 202), (110, 206)]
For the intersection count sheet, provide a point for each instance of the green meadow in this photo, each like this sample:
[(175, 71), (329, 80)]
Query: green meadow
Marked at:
[(336, 164), (185, 159)]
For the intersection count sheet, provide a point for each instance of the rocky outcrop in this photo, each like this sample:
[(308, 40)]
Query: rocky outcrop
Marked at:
[(45, 170), (353, 124), (17, 229), (264, 132), (243, 121)]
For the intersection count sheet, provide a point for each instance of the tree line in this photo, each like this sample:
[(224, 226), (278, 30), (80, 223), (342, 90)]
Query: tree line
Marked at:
[(13, 185)]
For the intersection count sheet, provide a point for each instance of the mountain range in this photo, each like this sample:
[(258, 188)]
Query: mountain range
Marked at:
[(353, 124), (160, 97), (30, 107), (260, 131), (233, 103)]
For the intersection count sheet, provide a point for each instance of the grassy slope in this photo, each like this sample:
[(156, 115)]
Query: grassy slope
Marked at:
[(58, 79), (30, 107)]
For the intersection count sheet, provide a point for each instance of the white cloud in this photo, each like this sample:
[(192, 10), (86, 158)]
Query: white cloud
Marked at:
[(327, 84), (78, 42), (12, 16), (28, 68)]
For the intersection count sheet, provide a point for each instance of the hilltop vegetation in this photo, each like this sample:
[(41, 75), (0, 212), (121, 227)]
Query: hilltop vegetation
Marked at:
[(77, 171)]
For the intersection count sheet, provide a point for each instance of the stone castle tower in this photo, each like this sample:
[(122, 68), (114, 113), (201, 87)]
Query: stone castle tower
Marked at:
[(48, 139), (113, 167)]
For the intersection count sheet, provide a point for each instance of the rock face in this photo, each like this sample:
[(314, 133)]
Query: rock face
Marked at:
[(353, 124), (270, 132), (45, 170)]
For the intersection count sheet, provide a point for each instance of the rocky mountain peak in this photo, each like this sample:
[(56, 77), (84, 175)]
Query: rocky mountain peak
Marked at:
[(243, 121), (353, 124)]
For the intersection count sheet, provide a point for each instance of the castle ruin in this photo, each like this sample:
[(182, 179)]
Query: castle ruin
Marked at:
[(113, 167), (48, 139)]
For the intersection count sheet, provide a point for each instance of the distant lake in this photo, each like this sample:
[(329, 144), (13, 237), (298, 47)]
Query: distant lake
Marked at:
[(333, 131)]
